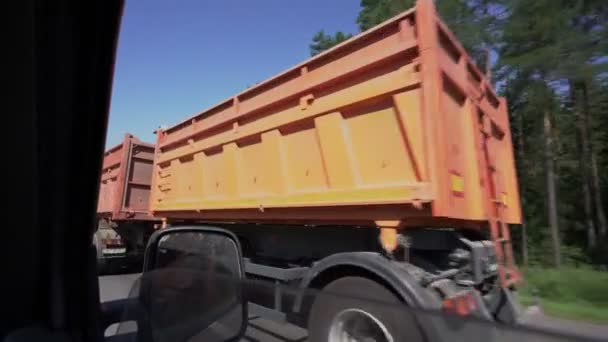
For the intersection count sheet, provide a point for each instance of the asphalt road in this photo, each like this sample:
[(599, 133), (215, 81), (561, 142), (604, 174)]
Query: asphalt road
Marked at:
[(259, 329), (113, 287), (534, 317)]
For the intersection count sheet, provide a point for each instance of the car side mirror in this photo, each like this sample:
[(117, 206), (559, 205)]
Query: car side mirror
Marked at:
[(191, 287)]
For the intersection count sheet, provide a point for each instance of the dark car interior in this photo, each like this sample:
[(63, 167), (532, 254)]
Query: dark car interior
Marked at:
[(63, 59)]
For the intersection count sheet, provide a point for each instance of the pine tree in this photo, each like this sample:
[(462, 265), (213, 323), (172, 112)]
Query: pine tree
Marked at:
[(322, 41)]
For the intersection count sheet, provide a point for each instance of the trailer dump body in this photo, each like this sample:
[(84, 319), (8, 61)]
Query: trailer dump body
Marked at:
[(124, 189), (394, 127)]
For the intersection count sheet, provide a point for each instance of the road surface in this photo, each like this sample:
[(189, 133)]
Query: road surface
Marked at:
[(534, 317), (118, 286), (259, 329)]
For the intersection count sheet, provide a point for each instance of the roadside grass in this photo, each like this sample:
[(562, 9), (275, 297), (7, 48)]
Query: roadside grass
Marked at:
[(574, 293)]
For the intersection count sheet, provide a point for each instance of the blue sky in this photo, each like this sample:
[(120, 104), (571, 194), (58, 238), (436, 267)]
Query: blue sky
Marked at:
[(177, 58)]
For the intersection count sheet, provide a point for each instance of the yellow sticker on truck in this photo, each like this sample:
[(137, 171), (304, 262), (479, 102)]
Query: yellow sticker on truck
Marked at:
[(457, 182)]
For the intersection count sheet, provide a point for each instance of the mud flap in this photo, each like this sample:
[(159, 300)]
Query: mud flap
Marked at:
[(509, 310)]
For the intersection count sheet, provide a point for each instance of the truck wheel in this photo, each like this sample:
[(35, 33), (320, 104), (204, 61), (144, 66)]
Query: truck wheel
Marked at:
[(352, 311), (102, 268), (101, 263)]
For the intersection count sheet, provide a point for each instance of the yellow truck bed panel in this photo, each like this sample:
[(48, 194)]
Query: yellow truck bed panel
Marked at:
[(391, 125)]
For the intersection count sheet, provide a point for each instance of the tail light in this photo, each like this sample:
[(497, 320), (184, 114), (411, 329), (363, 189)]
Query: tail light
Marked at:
[(112, 242), (462, 305)]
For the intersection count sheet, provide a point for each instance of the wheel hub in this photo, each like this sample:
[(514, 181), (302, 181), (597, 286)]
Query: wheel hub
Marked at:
[(358, 325)]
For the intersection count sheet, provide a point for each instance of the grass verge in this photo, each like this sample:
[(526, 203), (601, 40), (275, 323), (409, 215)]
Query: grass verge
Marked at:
[(574, 293)]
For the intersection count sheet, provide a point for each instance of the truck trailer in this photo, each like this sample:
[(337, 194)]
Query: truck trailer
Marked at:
[(383, 167), (124, 222)]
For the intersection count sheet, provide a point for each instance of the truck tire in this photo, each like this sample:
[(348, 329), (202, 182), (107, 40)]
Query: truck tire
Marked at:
[(101, 262), (378, 315), (102, 267)]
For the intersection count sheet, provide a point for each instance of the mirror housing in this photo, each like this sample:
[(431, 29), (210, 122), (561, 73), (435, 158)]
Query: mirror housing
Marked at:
[(192, 285)]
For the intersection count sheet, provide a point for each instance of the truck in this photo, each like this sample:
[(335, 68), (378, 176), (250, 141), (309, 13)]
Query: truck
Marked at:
[(382, 167), (124, 222)]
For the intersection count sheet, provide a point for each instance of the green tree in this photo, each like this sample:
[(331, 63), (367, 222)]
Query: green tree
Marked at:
[(559, 43), (599, 125), (530, 39), (373, 12), (322, 41), (471, 21)]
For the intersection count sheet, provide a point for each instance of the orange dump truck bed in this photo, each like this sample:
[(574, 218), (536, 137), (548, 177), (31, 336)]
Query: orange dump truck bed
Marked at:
[(395, 126), (124, 189)]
